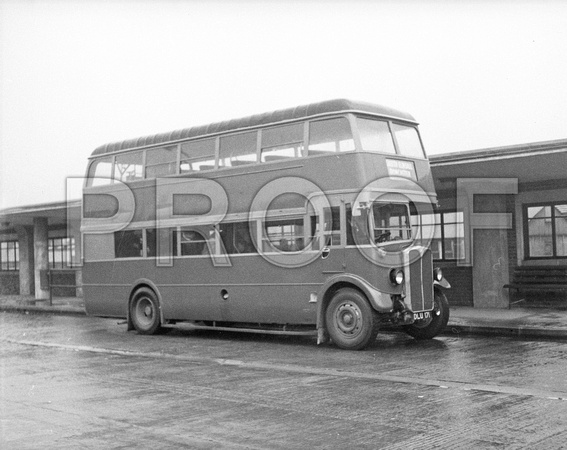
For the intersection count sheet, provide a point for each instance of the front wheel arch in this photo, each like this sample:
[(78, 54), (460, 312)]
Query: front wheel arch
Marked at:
[(350, 320)]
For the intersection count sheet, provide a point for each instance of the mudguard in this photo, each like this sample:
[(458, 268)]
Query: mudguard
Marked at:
[(443, 283)]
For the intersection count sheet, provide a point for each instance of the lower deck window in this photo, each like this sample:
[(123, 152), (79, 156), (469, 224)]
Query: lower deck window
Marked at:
[(128, 244), (236, 238), (284, 235), (193, 242)]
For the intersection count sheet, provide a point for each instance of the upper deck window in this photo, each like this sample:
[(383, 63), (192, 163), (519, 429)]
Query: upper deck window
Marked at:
[(282, 142), (331, 135), (161, 161), (129, 167), (197, 155), (408, 141), (375, 136), (100, 172), (238, 149)]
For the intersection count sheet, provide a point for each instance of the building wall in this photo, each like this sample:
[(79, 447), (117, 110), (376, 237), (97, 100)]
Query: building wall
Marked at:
[(478, 286), (9, 283)]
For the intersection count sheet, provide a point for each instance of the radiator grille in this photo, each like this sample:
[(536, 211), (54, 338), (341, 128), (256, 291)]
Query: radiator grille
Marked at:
[(420, 285)]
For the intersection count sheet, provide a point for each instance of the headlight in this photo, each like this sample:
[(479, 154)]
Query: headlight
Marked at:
[(437, 274), (396, 276)]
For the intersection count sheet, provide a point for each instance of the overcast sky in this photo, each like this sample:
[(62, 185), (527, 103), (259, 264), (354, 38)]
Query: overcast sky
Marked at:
[(78, 74)]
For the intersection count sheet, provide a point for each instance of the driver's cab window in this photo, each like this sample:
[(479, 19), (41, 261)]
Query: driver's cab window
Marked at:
[(391, 222)]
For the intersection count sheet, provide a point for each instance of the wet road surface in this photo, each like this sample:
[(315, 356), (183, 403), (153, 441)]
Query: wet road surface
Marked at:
[(78, 382)]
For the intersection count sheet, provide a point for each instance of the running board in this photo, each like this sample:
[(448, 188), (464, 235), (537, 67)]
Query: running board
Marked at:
[(195, 327)]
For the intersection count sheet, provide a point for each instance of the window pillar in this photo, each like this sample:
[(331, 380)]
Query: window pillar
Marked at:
[(41, 257), (25, 240)]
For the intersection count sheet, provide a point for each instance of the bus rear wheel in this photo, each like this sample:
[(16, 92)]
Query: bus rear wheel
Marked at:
[(145, 312), (429, 328), (351, 322)]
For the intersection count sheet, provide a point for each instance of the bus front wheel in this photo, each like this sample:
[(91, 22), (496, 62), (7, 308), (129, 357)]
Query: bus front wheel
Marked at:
[(351, 322), (429, 328), (144, 312)]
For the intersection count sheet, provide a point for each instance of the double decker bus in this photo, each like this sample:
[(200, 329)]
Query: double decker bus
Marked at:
[(312, 220)]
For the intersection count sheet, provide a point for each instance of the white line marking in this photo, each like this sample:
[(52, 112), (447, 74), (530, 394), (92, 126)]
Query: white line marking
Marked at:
[(444, 384)]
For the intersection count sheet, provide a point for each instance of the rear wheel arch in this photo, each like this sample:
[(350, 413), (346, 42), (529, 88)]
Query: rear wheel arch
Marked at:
[(148, 288)]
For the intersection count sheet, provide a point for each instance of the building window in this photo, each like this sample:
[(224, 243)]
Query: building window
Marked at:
[(545, 230), (9, 255), (61, 252), (448, 243)]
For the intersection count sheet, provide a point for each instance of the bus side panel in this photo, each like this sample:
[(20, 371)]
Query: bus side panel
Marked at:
[(104, 294), (106, 301), (255, 290)]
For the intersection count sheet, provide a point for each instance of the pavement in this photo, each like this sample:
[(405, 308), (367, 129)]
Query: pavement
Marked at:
[(521, 322)]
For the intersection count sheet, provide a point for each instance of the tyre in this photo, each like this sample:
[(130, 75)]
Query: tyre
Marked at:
[(351, 322), (145, 312), (429, 328)]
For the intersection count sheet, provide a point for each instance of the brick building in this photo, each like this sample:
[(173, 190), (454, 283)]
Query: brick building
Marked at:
[(501, 208)]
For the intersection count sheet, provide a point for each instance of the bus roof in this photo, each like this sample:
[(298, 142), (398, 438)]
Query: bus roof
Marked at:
[(282, 115)]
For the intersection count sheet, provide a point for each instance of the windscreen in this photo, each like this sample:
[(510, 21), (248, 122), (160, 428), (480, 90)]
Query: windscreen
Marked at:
[(384, 136), (408, 141)]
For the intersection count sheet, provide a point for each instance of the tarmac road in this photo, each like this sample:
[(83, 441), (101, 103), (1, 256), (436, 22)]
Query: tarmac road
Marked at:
[(81, 382)]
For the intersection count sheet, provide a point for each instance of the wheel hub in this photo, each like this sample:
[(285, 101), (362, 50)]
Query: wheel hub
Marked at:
[(144, 312), (348, 318)]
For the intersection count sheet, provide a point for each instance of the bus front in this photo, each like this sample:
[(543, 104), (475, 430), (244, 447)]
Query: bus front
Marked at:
[(390, 225)]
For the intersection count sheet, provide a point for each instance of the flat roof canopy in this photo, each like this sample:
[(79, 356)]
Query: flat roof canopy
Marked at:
[(56, 214), (529, 163)]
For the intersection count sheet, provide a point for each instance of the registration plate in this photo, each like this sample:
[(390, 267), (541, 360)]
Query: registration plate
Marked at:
[(422, 315)]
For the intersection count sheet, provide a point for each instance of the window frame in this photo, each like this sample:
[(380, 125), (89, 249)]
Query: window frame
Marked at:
[(320, 152), (359, 134), (12, 264), (441, 224), (526, 231), (64, 247), (152, 166), (399, 151)]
